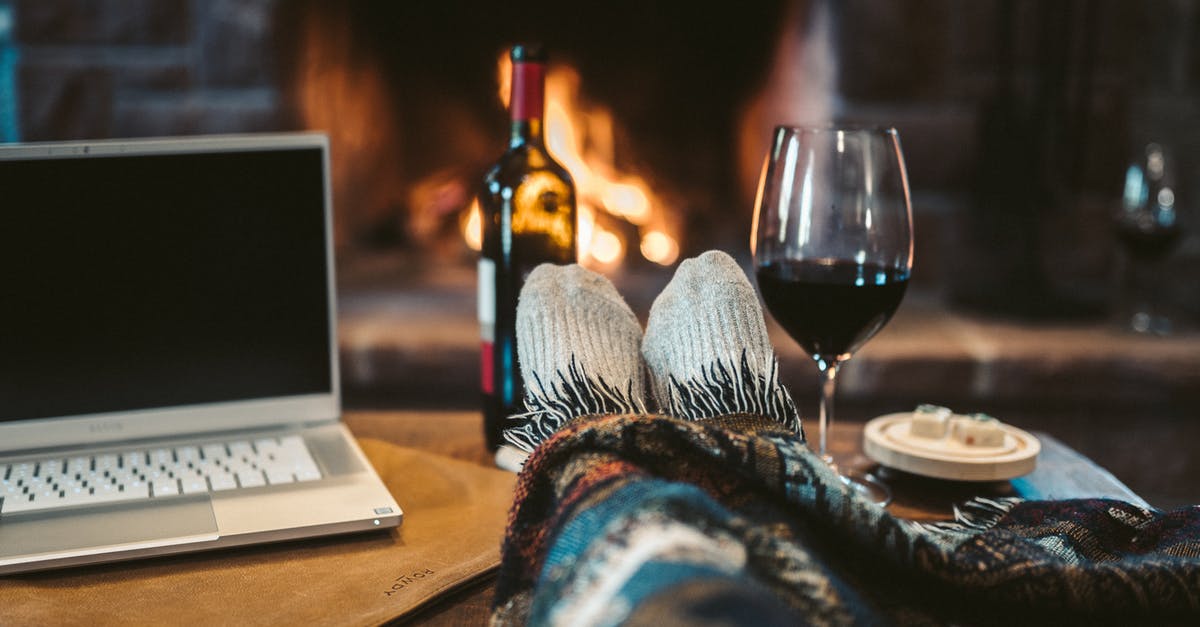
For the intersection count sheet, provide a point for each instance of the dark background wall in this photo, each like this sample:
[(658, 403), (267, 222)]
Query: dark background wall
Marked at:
[(1017, 116)]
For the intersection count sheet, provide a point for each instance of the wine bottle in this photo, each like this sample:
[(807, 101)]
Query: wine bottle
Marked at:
[(529, 218)]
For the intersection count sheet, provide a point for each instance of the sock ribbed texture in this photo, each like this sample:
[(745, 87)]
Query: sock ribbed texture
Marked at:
[(578, 346), (706, 346)]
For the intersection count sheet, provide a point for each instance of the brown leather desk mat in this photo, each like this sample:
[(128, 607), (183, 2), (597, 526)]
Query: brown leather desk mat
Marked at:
[(454, 517)]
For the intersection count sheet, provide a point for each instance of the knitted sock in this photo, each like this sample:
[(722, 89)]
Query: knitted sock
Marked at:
[(706, 346), (577, 342)]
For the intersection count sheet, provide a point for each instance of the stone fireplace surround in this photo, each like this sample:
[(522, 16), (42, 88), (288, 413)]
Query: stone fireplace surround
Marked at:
[(126, 68)]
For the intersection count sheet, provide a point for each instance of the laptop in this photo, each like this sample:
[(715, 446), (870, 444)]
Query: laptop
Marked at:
[(168, 354)]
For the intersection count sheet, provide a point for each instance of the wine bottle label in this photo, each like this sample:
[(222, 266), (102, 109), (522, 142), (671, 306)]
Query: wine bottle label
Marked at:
[(487, 298), (487, 323), (544, 206)]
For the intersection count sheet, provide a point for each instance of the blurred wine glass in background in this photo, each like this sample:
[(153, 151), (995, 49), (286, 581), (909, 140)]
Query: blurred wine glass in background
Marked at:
[(1148, 229)]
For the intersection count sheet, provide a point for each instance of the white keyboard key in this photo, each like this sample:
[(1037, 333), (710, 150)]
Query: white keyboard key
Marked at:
[(166, 487), (241, 449), (14, 504), (162, 456), (194, 485), (276, 476), (251, 479), (308, 473), (131, 492), (222, 481), (112, 495), (75, 496), (208, 468), (291, 448), (50, 468), (240, 462)]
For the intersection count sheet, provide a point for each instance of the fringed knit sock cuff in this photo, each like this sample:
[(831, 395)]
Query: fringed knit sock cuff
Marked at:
[(706, 346), (578, 346)]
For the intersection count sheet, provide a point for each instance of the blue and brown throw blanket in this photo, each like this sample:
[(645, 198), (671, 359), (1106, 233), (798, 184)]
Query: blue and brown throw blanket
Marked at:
[(635, 519)]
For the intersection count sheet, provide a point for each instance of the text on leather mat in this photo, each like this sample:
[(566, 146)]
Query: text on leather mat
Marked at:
[(404, 581)]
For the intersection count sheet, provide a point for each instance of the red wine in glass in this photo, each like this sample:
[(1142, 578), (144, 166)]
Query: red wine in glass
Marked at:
[(831, 307), (1148, 244)]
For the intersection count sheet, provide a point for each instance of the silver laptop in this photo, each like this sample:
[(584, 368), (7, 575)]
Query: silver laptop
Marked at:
[(168, 354)]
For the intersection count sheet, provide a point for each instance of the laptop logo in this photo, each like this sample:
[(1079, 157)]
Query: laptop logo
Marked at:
[(106, 427)]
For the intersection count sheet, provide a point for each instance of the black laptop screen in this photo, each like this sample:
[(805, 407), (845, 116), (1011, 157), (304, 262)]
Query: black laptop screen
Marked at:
[(136, 282)]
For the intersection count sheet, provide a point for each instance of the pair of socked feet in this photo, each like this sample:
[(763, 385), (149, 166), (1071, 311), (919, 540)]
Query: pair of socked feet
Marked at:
[(704, 353)]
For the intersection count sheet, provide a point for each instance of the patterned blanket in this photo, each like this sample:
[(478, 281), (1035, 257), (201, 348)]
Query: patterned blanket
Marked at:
[(634, 519)]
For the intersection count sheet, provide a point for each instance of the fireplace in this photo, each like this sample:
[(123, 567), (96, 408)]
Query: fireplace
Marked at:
[(668, 105), (1017, 118), (644, 108)]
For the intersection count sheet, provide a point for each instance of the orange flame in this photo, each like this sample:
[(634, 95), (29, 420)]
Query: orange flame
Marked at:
[(581, 137)]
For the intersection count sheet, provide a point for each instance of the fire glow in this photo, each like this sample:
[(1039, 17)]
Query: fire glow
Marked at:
[(610, 202)]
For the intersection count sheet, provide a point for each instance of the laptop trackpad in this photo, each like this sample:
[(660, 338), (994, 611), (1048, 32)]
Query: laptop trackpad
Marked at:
[(109, 528)]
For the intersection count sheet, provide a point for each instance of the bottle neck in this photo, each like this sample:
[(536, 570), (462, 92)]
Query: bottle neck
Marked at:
[(527, 102), (526, 132)]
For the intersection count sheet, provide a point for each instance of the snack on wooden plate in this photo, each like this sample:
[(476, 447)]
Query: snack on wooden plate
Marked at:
[(978, 430), (930, 421)]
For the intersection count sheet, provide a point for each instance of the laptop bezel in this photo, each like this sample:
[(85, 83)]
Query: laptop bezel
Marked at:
[(26, 435)]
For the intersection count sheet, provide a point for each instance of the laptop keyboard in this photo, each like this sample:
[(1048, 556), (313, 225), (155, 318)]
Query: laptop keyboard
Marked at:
[(145, 473)]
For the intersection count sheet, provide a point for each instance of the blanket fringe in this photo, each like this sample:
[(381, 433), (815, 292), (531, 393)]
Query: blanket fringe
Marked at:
[(576, 393), (730, 387), (976, 515)]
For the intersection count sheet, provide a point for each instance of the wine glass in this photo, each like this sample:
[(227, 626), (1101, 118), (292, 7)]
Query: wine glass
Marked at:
[(832, 245), (1147, 225)]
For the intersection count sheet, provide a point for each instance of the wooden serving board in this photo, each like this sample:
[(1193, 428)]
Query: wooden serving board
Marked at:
[(887, 440)]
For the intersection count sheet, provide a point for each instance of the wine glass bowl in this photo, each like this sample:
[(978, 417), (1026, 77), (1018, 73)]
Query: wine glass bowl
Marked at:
[(1146, 224), (832, 245)]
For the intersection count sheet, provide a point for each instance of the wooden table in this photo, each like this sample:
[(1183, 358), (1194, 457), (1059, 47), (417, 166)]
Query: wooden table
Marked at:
[(1061, 473)]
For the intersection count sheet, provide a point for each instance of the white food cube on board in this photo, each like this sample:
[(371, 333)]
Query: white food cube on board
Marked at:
[(978, 430), (930, 421)]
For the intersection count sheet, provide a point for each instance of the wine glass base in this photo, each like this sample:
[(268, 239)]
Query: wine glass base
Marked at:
[(868, 486), (1149, 323)]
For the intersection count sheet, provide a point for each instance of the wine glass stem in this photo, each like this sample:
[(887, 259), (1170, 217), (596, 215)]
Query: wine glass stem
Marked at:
[(829, 372)]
